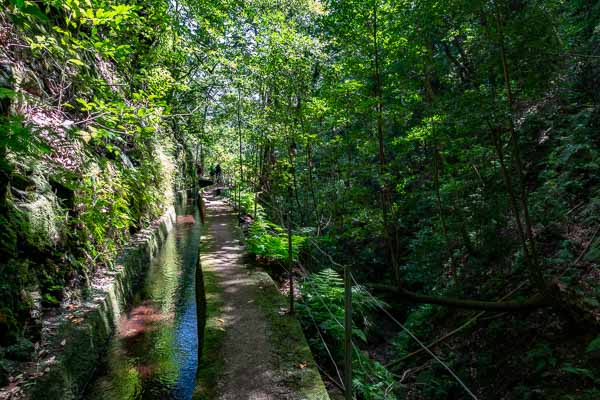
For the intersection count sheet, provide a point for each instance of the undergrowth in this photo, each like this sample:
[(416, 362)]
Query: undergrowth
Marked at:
[(322, 310)]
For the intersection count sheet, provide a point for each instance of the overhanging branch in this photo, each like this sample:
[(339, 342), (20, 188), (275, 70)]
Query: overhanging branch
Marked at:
[(535, 301)]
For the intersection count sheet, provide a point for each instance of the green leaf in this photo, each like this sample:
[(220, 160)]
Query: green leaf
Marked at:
[(76, 61), (594, 345), (578, 371), (6, 93), (30, 9)]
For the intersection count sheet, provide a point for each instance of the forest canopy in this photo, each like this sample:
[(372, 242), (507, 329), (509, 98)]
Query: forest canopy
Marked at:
[(446, 151)]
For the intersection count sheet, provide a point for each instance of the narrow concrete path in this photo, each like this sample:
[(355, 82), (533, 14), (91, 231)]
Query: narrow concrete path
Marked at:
[(247, 354), (252, 359)]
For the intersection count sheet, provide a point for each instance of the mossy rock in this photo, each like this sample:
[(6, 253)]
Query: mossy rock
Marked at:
[(14, 224), (63, 192), (6, 81), (45, 221), (8, 237), (21, 182)]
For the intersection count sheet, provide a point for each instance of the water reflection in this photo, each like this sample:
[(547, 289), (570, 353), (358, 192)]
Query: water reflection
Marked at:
[(154, 354)]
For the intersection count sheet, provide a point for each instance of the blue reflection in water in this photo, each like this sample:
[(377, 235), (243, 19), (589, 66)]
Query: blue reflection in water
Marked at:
[(155, 353), (187, 352)]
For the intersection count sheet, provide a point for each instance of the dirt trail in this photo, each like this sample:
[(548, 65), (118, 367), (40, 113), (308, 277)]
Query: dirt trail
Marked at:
[(250, 371)]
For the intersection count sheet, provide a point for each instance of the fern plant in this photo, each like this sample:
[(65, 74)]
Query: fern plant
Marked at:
[(323, 304), (269, 240)]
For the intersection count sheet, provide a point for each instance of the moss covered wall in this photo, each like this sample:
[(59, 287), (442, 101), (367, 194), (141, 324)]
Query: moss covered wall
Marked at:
[(76, 338), (88, 156)]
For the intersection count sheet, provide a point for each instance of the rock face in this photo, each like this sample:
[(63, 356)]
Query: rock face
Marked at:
[(67, 201), (6, 82), (5, 100)]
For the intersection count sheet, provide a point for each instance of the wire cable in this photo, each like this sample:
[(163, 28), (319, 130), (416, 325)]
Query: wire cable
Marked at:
[(378, 305), (416, 339)]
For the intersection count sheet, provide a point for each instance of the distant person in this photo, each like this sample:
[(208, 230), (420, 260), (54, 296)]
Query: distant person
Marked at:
[(219, 174), (202, 208)]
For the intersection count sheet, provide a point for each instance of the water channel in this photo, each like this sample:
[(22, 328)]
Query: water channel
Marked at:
[(154, 353)]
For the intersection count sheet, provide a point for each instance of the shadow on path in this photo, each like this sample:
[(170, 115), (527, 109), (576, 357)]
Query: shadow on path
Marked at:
[(250, 371)]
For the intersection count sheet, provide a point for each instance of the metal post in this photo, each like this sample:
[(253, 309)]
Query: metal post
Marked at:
[(290, 263), (255, 201), (347, 334), (239, 120)]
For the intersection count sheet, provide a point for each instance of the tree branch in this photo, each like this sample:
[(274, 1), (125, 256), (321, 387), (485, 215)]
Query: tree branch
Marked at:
[(535, 301)]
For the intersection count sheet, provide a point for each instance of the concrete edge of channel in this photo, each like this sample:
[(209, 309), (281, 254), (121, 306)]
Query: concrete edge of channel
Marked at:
[(75, 340), (297, 366)]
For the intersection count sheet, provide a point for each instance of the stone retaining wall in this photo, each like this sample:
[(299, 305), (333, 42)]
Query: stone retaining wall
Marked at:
[(75, 340)]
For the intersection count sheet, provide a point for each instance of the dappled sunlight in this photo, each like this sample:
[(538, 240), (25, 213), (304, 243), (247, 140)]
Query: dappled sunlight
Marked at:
[(413, 186), (249, 367)]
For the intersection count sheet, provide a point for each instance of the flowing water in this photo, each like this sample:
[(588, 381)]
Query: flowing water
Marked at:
[(154, 353)]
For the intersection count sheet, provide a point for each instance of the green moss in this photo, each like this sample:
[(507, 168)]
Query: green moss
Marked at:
[(211, 364), (12, 224), (296, 363), (44, 220)]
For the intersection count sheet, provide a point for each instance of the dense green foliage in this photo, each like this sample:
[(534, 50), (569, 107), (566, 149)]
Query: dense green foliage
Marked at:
[(86, 153), (445, 146), (442, 149), (322, 312)]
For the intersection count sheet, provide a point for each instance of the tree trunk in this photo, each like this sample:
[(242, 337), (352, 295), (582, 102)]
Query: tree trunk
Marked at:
[(385, 195), (536, 273), (537, 301)]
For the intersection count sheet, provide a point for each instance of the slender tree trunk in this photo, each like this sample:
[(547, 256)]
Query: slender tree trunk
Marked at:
[(508, 183), (347, 334), (535, 268), (309, 165), (202, 136), (294, 178), (239, 126), (385, 195), (290, 262), (436, 183)]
